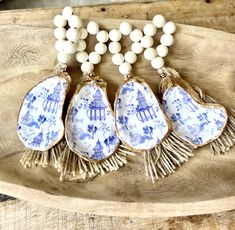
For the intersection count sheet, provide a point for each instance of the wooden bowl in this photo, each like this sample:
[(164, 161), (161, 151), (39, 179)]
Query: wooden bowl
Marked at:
[(205, 184)]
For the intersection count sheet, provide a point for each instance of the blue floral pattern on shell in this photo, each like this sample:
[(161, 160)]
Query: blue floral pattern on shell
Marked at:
[(39, 123), (90, 127), (194, 122), (139, 119)]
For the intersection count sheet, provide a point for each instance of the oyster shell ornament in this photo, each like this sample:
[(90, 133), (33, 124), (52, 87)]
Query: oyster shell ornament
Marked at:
[(196, 118), (93, 146), (40, 126)]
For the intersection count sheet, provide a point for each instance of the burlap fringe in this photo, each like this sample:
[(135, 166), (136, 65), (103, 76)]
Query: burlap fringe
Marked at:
[(34, 158), (165, 158), (74, 168), (227, 139)]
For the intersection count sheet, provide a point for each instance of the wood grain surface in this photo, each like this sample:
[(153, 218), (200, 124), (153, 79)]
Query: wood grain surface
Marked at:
[(205, 184)]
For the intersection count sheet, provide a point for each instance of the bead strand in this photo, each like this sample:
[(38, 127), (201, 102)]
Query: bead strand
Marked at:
[(166, 40), (130, 57), (89, 60), (68, 41)]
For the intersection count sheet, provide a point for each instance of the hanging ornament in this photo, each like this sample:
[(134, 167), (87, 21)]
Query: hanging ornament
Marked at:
[(140, 121), (92, 143)]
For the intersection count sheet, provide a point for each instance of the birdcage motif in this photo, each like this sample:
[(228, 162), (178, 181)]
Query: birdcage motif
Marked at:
[(98, 151), (97, 109), (51, 104), (145, 112), (37, 140)]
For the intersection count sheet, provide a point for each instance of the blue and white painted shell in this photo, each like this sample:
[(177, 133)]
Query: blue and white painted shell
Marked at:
[(140, 121), (40, 124), (197, 123), (90, 127)]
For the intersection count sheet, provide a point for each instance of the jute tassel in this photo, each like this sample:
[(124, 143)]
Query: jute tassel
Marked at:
[(165, 158), (227, 139), (34, 158), (72, 167)]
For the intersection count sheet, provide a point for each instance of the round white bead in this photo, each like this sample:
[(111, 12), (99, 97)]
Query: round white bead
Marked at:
[(157, 63), (137, 48), (100, 48), (87, 67), (75, 22), (150, 29), (81, 56), (72, 35), (115, 35), (162, 50), (125, 68), (125, 28), (136, 35), (169, 28), (92, 28), (60, 33), (114, 47), (117, 59), (63, 57), (94, 58), (60, 21), (70, 47), (130, 57), (167, 39), (59, 45), (147, 41), (102, 36), (159, 21), (83, 33), (67, 12), (81, 45), (150, 54)]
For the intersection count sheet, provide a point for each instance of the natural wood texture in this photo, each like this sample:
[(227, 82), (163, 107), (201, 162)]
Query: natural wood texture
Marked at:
[(23, 215), (217, 14), (206, 184)]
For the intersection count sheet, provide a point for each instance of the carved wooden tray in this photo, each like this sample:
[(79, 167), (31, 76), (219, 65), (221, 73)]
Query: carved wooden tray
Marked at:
[(205, 184)]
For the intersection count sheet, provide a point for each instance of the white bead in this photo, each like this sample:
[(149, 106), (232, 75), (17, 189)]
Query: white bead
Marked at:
[(59, 45), (157, 63), (150, 29), (72, 35), (102, 36), (167, 39), (70, 47), (147, 41), (125, 28), (94, 58), (125, 68), (115, 35), (100, 48), (60, 33), (136, 35), (117, 59), (83, 33), (137, 48), (130, 57), (75, 21), (81, 56), (114, 47), (63, 57), (169, 28), (150, 54), (92, 28), (60, 21), (159, 21), (87, 67), (67, 12), (162, 50), (81, 45)]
